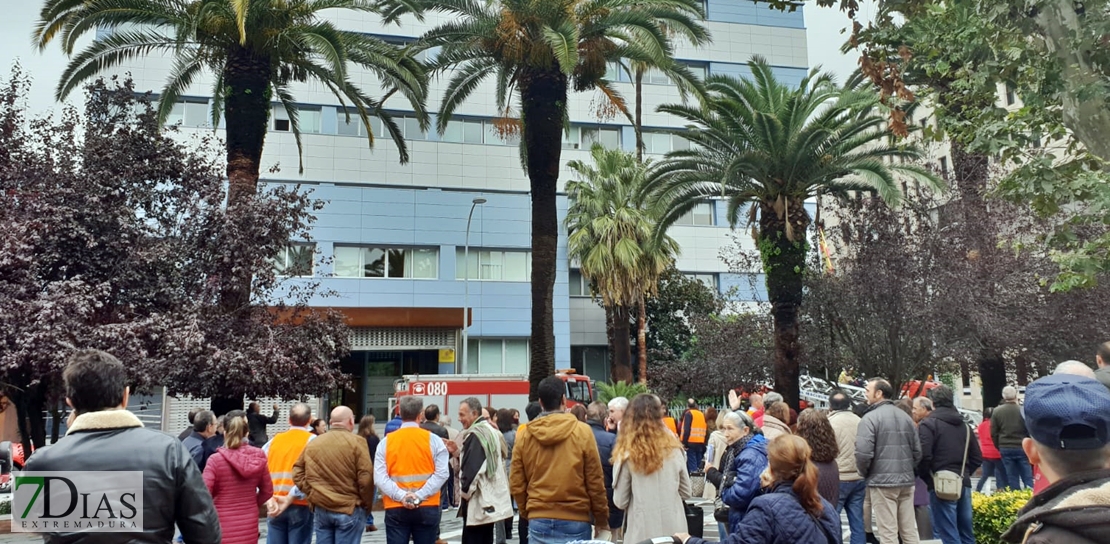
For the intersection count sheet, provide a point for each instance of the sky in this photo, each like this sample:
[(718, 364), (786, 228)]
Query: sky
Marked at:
[(823, 30)]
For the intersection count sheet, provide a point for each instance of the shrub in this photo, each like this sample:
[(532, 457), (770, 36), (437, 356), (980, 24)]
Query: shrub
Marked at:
[(993, 514), (607, 392), (5, 508)]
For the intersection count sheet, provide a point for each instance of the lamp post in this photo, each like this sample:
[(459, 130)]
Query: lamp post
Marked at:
[(466, 288)]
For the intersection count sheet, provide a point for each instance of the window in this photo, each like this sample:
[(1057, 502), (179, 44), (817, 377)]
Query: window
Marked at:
[(655, 77), (614, 72), (494, 137), (702, 214), (190, 113), (579, 287), (377, 262), (495, 356), (464, 131), (355, 126), (944, 167), (571, 138), (495, 265), (609, 138), (663, 142), (1011, 96), (294, 260), (700, 70), (308, 119), (411, 127), (579, 391), (708, 280)]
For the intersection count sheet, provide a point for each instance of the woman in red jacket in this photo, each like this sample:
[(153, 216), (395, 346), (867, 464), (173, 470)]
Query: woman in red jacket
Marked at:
[(992, 459), (239, 481)]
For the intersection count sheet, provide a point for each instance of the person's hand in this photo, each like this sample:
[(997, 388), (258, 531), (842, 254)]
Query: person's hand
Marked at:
[(733, 401), (708, 467), (682, 537), (276, 506), (599, 530), (452, 446), (409, 500), (275, 407)]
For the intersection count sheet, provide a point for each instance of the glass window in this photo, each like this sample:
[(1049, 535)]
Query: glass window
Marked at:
[(678, 143), (491, 265), (656, 77), (422, 264), (295, 260), (195, 114), (396, 263), (347, 261), (657, 142), (453, 132), (308, 120), (355, 126), (579, 391), (412, 129), (702, 214), (472, 356), (490, 357), (576, 284), (709, 280), (571, 138), (494, 137), (281, 119), (609, 138), (472, 132), (496, 265), (516, 357), (373, 262), (699, 70), (517, 266), (612, 71)]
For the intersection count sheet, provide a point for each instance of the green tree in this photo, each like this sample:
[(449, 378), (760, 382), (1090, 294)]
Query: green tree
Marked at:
[(256, 49), (680, 301), (611, 224), (536, 50), (768, 146)]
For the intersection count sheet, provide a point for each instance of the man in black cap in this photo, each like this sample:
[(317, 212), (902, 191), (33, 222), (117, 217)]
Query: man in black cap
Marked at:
[(1068, 418)]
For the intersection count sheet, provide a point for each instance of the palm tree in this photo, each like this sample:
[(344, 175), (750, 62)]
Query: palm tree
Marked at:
[(611, 230), (256, 49), (535, 50), (768, 146)]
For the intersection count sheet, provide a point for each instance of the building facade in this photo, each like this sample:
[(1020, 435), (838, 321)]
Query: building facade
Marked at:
[(390, 241)]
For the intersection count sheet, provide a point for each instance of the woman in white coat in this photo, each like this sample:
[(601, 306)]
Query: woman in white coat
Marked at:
[(650, 480)]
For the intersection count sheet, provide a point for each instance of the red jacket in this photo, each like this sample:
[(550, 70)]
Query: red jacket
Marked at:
[(986, 444), (239, 482)]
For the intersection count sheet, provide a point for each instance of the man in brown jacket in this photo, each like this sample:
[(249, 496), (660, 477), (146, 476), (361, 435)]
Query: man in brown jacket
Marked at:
[(336, 474), (556, 475)]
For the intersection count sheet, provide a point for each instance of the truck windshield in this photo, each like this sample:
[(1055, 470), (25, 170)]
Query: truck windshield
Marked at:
[(579, 391)]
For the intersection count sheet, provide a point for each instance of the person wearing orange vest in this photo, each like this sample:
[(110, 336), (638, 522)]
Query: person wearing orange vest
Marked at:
[(289, 520), (337, 476), (693, 435), (410, 468), (668, 421)]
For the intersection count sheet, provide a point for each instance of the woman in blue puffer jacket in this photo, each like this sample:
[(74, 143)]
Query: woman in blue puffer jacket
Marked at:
[(791, 512), (742, 463)]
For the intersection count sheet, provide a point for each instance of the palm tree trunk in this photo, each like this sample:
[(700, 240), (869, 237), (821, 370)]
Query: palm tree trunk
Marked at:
[(246, 115), (641, 339), (784, 261), (639, 115), (543, 104), (621, 356)]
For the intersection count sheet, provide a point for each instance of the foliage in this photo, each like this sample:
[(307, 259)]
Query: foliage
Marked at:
[(6, 508), (768, 146), (680, 301), (115, 236), (992, 515), (286, 41), (609, 391), (728, 352), (611, 224)]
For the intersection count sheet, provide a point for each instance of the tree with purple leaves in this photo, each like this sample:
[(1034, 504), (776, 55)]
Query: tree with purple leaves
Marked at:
[(114, 235)]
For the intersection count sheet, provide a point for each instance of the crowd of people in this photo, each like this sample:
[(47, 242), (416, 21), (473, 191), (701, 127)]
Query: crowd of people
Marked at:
[(622, 471)]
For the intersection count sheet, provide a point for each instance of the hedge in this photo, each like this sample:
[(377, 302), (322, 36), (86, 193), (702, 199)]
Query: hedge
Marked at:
[(993, 514)]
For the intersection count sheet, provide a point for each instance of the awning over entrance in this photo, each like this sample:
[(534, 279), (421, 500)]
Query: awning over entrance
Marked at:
[(406, 317)]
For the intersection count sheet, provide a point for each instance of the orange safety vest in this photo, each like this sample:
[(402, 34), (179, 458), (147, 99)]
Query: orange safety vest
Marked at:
[(697, 427), (410, 463), (284, 451), (669, 422)]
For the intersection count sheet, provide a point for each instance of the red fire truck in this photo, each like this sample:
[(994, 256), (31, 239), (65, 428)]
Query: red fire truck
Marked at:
[(498, 390)]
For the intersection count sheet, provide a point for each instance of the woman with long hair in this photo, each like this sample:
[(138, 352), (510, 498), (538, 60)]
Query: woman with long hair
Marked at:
[(366, 430), (737, 479), (238, 478), (815, 429), (650, 480), (791, 512)]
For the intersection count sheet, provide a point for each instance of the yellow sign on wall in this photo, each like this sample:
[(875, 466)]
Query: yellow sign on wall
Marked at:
[(446, 356)]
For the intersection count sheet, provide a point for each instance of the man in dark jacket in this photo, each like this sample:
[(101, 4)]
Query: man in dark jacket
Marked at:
[(947, 443), (1069, 426), (257, 423), (107, 437), (205, 425), (888, 449), (189, 430), (1008, 431), (597, 413)]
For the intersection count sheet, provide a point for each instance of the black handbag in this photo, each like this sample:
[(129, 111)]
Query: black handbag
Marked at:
[(720, 509)]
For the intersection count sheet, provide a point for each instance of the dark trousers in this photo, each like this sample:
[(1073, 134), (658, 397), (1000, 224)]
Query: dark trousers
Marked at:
[(522, 530), (478, 534), (695, 454), (420, 524), (449, 491)]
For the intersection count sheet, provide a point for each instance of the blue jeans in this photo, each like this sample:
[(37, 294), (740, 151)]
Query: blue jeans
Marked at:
[(293, 526), (420, 524), (995, 468), (695, 454), (370, 512), (722, 531), (337, 528), (952, 519), (1017, 468), (851, 499), (557, 531)]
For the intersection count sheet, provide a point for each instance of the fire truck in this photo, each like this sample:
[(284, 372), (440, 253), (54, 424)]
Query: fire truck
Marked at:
[(497, 390)]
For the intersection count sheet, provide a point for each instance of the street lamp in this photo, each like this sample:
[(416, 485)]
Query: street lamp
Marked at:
[(466, 288)]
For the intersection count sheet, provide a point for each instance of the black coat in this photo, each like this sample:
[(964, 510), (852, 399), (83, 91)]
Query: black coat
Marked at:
[(173, 489), (1084, 519), (257, 424), (943, 435), (606, 441)]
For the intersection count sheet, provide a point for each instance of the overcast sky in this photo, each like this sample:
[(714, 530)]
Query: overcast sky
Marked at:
[(823, 25)]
